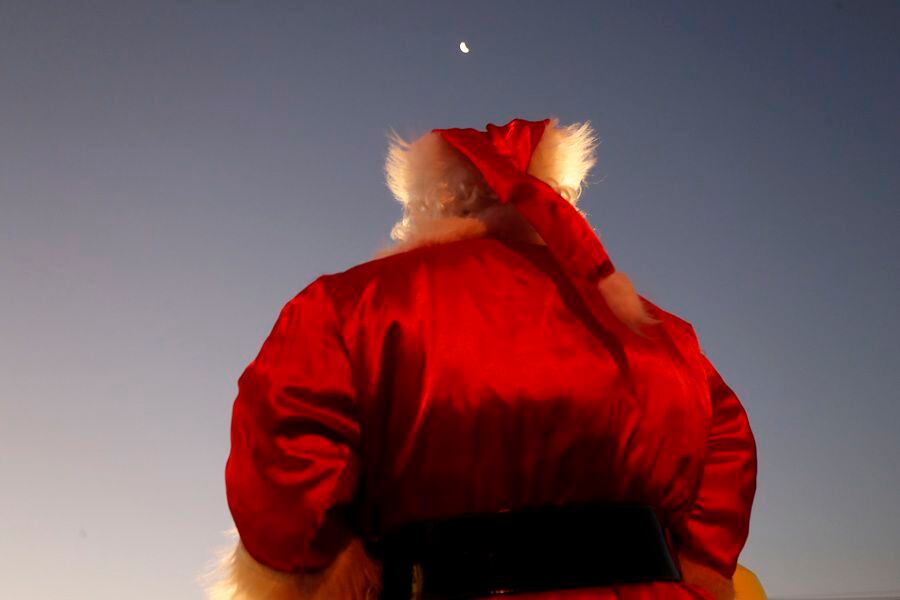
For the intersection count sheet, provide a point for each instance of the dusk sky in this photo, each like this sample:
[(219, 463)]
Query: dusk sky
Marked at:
[(171, 173)]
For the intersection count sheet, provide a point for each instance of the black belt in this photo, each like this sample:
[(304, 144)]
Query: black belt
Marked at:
[(525, 551)]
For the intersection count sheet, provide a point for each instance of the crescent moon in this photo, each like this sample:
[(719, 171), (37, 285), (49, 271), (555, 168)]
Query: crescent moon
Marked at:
[(463, 48)]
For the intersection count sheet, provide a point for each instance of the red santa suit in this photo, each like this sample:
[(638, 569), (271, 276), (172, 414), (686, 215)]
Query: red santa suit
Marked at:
[(493, 363)]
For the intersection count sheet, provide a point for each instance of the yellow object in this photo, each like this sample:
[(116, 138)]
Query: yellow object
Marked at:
[(746, 585)]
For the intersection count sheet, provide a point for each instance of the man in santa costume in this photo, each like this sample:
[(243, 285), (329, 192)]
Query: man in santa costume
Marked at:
[(487, 408)]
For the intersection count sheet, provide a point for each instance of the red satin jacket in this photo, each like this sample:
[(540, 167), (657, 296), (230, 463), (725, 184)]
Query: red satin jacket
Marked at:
[(472, 376)]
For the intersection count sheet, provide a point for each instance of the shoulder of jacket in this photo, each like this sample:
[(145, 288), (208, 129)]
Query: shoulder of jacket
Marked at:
[(394, 272), (674, 323)]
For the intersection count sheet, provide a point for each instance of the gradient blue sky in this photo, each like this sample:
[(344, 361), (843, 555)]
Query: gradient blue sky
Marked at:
[(172, 172)]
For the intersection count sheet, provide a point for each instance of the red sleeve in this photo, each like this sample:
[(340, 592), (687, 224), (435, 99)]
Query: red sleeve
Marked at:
[(294, 465), (716, 527)]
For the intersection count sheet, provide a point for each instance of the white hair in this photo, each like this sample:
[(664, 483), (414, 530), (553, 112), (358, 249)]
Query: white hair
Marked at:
[(433, 181)]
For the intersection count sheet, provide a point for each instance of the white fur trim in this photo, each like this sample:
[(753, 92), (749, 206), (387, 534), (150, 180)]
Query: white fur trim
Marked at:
[(624, 302), (437, 231), (500, 221), (352, 576)]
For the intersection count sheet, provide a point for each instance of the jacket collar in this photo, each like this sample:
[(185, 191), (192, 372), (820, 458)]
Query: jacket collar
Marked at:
[(501, 222)]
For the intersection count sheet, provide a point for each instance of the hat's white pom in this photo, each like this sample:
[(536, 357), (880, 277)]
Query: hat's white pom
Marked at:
[(624, 302)]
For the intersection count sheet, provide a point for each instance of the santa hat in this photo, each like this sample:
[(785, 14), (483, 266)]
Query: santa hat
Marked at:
[(536, 167)]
